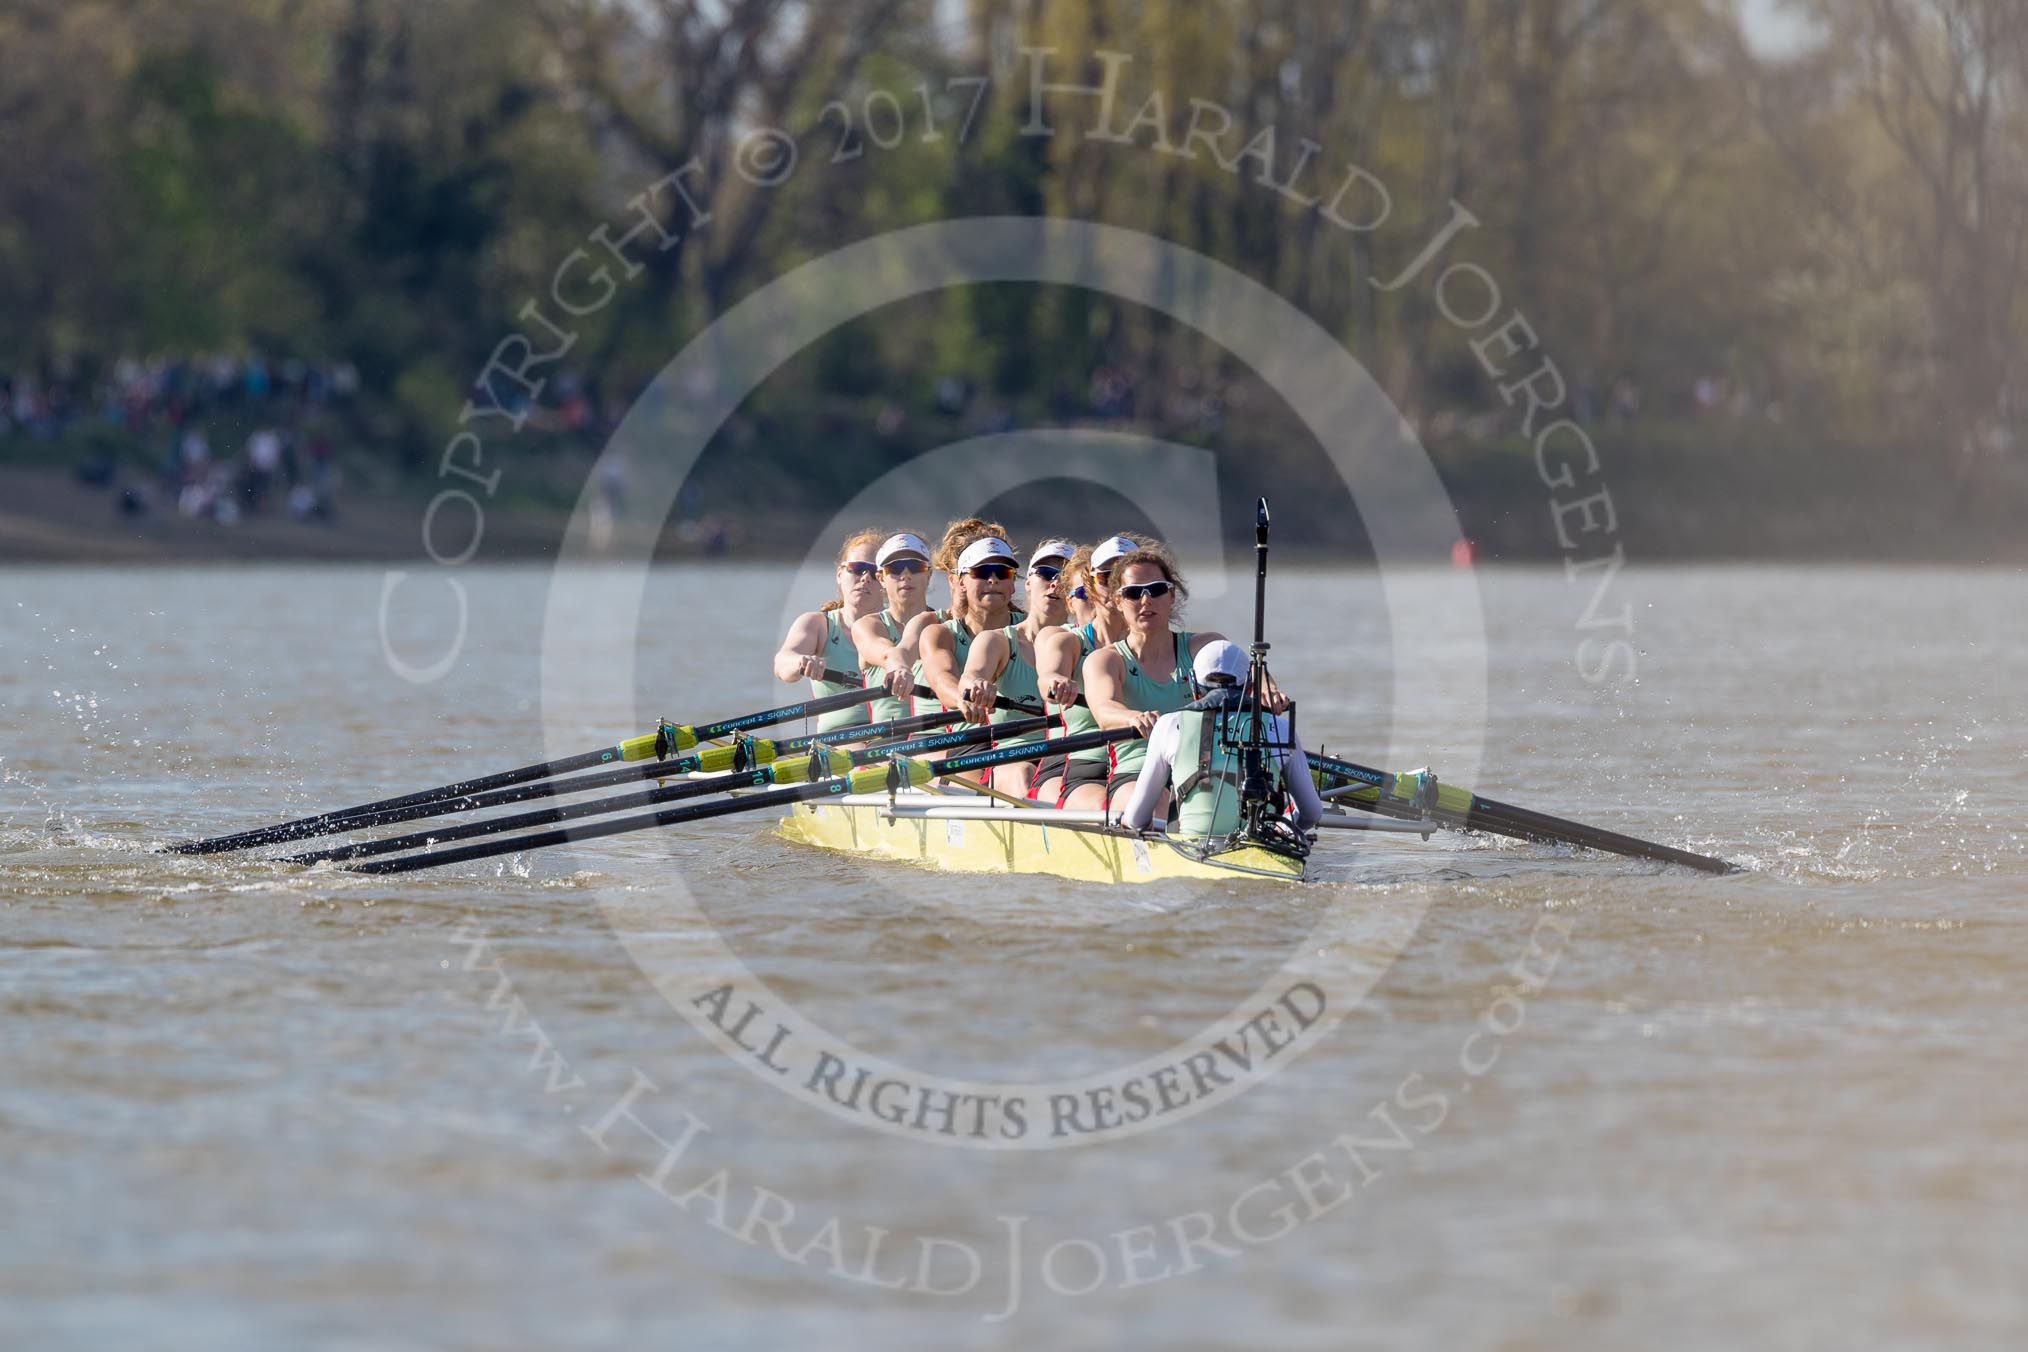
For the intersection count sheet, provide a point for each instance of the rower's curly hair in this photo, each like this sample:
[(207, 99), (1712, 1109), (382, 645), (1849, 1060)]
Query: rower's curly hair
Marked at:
[(1158, 555), (958, 537), (852, 542)]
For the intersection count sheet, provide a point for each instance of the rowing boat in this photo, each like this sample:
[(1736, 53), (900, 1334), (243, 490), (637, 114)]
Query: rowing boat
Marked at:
[(969, 835), (834, 800)]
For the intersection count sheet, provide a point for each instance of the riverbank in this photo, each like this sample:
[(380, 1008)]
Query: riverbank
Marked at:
[(1734, 510)]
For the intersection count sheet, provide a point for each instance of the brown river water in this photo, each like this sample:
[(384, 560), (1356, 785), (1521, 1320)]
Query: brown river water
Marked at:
[(1560, 1100)]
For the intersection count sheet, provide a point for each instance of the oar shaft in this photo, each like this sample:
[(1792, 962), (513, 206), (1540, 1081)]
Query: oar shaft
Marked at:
[(713, 759), (548, 816), (669, 737), (613, 826), (1463, 810), (345, 819), (867, 776)]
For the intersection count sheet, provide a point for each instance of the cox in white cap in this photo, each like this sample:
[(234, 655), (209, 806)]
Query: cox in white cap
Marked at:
[(1110, 552), (988, 550), (900, 546), (1060, 550), (1220, 662)]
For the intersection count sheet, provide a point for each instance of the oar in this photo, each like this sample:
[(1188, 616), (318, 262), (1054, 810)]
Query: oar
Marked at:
[(1410, 796), (667, 738), (872, 778), (771, 765), (708, 760)]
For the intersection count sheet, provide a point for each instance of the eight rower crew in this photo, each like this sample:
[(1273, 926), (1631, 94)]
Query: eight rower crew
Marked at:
[(1195, 753), (823, 638), (1060, 661), (1003, 661), (904, 560), (1133, 682)]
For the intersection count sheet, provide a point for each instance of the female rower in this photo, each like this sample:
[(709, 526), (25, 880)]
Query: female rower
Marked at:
[(904, 560), (980, 564), (1003, 661), (1077, 591), (1136, 680), (1191, 753), (1060, 659), (821, 639)]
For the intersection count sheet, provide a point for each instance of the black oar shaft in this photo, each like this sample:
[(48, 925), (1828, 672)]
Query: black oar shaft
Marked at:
[(866, 778), (757, 777), (1466, 811), (714, 760), (668, 816), (633, 749), (344, 819)]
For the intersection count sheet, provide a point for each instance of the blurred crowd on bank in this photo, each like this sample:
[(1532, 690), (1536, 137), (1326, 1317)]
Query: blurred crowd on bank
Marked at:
[(226, 435)]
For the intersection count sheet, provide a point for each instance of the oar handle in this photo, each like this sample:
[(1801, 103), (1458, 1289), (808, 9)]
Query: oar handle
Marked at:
[(1011, 705)]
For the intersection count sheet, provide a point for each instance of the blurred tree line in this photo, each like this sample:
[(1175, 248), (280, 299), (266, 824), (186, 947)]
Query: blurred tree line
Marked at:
[(1814, 252)]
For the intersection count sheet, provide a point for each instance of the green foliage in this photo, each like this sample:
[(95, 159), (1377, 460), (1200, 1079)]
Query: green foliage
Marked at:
[(389, 183)]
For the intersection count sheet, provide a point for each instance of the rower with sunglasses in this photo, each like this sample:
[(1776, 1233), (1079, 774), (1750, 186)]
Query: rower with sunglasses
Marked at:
[(823, 638), (885, 660), (1061, 657), (1136, 680), (1077, 592), (980, 566), (1003, 662)]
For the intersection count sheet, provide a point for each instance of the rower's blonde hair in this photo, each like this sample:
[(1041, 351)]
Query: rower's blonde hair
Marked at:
[(852, 542), (1155, 554)]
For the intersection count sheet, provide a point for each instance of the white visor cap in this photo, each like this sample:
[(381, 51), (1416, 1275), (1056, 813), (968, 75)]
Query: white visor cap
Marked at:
[(1118, 547), (1220, 658), (985, 551), (894, 546), (1051, 549)]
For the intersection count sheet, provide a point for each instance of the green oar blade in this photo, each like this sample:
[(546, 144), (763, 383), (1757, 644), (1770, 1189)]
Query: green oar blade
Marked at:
[(1397, 796)]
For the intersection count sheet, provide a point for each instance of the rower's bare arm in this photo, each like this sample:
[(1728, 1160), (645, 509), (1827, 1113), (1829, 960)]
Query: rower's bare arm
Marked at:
[(802, 650), (940, 665), (1105, 683), (869, 636), (1056, 654), (980, 680)]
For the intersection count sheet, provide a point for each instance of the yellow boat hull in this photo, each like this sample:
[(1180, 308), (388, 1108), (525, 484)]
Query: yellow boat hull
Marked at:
[(1021, 844)]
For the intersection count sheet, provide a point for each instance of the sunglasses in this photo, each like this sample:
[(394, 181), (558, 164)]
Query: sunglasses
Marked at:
[(1078, 593), (859, 567), (1048, 572), (1137, 590), (993, 572), (903, 567)]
